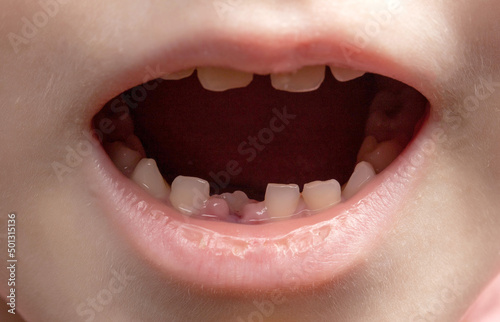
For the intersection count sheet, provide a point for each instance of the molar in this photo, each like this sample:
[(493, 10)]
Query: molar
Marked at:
[(321, 194), (189, 194), (222, 79), (281, 200), (124, 158), (147, 175), (381, 154), (305, 79)]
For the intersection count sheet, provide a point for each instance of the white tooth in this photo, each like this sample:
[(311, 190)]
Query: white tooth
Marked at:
[(305, 79), (383, 154), (189, 194), (147, 175), (281, 200), (123, 157), (236, 200), (321, 194), (362, 174), (369, 144), (221, 79), (178, 75), (345, 74)]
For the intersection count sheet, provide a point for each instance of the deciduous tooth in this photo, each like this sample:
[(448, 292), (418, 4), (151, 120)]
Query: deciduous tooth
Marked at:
[(123, 157), (216, 208), (147, 175), (221, 79), (178, 75), (281, 200), (321, 194), (304, 80), (345, 74), (189, 194), (383, 154), (235, 200), (362, 174)]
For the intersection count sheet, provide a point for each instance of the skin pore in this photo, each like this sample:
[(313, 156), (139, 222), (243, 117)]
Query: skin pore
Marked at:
[(429, 264)]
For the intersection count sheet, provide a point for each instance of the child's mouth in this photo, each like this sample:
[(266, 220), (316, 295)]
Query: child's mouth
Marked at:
[(243, 152), (297, 231)]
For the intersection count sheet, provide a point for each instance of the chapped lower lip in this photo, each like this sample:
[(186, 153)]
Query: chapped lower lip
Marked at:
[(295, 253)]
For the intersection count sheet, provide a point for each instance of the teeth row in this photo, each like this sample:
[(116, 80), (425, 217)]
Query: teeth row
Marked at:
[(190, 195), (305, 79)]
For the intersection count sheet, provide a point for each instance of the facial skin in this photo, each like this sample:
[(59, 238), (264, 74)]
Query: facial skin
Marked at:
[(429, 265)]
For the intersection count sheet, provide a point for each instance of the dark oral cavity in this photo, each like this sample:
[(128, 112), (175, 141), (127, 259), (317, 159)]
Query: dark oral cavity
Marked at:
[(243, 139)]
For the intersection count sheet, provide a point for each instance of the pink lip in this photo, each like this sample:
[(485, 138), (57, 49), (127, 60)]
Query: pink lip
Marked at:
[(295, 253)]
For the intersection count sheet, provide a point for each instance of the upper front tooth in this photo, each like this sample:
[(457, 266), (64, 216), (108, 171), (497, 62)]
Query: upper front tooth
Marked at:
[(221, 79), (362, 174), (281, 200), (147, 175), (178, 75), (123, 157), (304, 80), (345, 74), (321, 194), (189, 194)]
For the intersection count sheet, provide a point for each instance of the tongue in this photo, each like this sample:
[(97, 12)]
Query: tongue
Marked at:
[(245, 138)]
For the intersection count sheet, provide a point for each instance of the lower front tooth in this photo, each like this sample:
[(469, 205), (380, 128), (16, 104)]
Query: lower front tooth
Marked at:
[(305, 79), (345, 74), (321, 194), (221, 79), (123, 157), (236, 200), (147, 175), (281, 200), (189, 194), (362, 174), (217, 208)]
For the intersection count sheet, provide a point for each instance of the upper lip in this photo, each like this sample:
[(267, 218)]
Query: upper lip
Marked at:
[(281, 46), (307, 251)]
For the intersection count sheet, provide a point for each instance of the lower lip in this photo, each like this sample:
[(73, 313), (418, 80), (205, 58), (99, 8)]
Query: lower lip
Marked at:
[(289, 254)]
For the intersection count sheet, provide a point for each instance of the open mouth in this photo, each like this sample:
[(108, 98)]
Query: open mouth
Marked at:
[(284, 177), (224, 145)]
